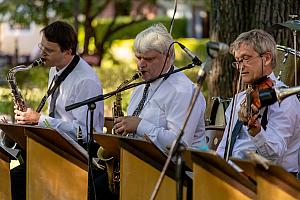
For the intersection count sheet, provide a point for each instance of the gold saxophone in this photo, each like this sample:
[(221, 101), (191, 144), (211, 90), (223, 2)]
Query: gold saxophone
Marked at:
[(113, 164), (117, 110), (16, 94)]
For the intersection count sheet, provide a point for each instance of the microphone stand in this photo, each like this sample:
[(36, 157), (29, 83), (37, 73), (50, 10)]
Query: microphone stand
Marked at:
[(110, 94), (177, 147), (91, 186), (91, 107)]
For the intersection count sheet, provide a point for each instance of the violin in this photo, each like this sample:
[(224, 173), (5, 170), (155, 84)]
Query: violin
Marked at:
[(251, 105)]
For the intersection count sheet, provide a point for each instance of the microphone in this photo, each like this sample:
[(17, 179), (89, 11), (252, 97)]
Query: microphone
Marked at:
[(220, 47), (267, 97), (194, 58)]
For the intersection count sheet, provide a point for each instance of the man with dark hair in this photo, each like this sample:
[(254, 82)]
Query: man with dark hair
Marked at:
[(73, 81), (58, 50)]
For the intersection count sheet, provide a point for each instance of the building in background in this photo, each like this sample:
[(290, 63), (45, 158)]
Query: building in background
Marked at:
[(19, 43)]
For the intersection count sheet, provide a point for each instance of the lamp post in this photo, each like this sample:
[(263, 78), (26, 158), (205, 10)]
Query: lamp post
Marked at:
[(16, 44)]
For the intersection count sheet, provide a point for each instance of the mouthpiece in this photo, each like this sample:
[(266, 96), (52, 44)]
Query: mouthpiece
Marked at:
[(137, 75), (37, 62)]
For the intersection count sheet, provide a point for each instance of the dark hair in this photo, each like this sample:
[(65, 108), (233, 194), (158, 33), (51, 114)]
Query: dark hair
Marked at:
[(63, 34)]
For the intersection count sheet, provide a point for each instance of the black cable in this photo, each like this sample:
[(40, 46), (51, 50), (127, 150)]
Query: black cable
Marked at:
[(173, 17), (167, 55)]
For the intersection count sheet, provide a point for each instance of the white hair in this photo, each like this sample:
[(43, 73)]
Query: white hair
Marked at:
[(156, 38)]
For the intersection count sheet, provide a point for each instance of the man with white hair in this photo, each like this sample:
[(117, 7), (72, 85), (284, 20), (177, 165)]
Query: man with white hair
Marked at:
[(158, 109)]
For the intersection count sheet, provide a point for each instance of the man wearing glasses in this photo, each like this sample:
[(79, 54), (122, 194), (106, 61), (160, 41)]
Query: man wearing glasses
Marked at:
[(73, 81), (272, 131)]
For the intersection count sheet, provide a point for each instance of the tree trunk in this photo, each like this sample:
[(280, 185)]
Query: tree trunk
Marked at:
[(44, 11), (88, 29), (75, 14), (229, 18)]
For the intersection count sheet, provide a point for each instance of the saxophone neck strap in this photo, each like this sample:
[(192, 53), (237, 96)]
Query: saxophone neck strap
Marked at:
[(58, 81)]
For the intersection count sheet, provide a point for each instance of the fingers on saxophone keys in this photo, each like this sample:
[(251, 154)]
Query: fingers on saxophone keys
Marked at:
[(124, 133), (18, 112), (118, 127)]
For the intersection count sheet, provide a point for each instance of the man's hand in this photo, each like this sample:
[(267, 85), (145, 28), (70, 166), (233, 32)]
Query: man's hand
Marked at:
[(128, 124), (28, 117), (254, 126)]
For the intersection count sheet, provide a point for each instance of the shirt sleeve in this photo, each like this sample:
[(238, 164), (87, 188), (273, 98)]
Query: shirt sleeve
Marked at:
[(175, 110), (85, 89), (272, 142)]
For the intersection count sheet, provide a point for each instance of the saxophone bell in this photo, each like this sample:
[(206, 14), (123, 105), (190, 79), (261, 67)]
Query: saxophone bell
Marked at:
[(112, 163), (112, 169)]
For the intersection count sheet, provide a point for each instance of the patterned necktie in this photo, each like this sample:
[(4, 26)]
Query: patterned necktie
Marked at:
[(53, 99), (142, 102)]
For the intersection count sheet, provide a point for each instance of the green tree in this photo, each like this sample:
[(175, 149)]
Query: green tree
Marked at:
[(44, 11)]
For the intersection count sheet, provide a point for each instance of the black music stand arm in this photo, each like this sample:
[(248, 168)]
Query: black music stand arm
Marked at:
[(113, 93), (176, 145), (179, 171), (90, 137)]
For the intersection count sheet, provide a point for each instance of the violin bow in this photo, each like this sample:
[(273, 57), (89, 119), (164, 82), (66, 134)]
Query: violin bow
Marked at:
[(233, 110)]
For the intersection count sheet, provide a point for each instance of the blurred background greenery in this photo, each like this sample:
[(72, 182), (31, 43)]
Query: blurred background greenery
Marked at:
[(117, 65)]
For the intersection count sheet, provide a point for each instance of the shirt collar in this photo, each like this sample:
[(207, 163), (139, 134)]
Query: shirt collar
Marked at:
[(58, 72)]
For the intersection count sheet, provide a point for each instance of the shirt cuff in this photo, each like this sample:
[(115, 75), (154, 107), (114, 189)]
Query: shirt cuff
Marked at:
[(260, 141), (43, 120), (144, 127)]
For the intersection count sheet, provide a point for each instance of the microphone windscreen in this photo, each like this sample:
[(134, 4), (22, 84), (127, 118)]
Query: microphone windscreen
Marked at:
[(267, 97)]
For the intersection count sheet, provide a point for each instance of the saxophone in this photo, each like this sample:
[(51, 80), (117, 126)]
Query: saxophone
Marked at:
[(16, 94), (113, 164), (117, 108)]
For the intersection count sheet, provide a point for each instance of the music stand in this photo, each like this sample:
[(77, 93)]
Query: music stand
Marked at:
[(140, 166), (214, 178), (56, 166), (272, 183), (5, 189), (16, 133), (53, 162)]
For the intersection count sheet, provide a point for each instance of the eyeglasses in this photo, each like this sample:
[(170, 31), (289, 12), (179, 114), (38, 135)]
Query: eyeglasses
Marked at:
[(45, 49), (242, 62)]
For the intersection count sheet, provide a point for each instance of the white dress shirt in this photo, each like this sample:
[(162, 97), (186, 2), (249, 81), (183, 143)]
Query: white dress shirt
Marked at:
[(165, 110), (82, 83), (280, 141)]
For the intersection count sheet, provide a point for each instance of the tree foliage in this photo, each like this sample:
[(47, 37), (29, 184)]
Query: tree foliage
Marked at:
[(44, 12)]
